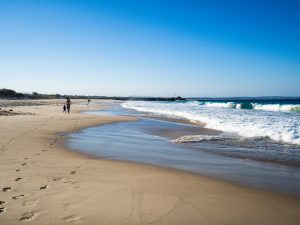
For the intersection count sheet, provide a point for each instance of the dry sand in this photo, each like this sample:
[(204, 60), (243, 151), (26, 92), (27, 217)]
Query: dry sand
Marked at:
[(43, 183)]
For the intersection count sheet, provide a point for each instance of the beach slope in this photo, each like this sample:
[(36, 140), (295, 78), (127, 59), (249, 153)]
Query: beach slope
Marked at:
[(42, 182)]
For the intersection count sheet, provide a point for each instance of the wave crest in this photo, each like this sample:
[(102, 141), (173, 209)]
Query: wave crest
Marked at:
[(255, 106)]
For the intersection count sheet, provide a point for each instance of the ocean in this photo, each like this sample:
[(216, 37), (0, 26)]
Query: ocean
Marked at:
[(253, 128)]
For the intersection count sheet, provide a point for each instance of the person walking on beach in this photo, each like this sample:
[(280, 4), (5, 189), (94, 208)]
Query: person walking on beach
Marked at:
[(65, 108), (68, 102)]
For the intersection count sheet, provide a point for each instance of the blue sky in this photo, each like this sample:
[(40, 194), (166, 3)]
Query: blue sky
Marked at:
[(151, 48)]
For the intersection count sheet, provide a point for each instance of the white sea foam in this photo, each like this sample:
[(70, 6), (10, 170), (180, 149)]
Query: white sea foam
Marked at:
[(277, 125), (221, 104), (276, 107), (197, 138), (255, 106)]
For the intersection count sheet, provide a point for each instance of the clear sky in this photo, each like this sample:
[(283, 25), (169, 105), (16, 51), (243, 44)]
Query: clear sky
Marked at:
[(151, 47)]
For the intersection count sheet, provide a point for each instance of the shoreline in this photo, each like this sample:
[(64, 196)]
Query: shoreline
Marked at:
[(182, 158), (141, 194), (191, 173)]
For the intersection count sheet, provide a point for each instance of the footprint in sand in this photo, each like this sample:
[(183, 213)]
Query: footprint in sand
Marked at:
[(19, 178), (31, 203), (26, 158), (73, 172), (71, 218), (23, 164), (2, 202), (44, 187), (44, 150), (37, 154), (2, 209), (56, 179), (6, 189), (28, 215), (18, 197)]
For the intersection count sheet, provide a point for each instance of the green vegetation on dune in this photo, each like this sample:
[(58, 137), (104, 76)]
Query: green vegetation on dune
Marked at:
[(8, 93)]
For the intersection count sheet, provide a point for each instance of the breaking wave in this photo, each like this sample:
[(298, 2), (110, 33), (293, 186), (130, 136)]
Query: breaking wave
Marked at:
[(255, 106), (261, 122)]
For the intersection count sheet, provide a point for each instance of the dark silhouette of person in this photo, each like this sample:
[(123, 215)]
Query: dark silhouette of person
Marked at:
[(68, 102), (64, 109)]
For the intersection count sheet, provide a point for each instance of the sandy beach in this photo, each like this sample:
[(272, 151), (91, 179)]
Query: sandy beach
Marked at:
[(42, 182)]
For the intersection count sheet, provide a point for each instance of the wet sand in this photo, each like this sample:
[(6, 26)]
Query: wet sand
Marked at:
[(43, 183), (184, 131)]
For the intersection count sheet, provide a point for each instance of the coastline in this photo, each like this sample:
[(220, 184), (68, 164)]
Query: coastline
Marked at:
[(112, 192)]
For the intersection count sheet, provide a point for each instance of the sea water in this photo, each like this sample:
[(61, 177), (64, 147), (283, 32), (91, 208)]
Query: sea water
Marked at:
[(279, 122), (264, 131)]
